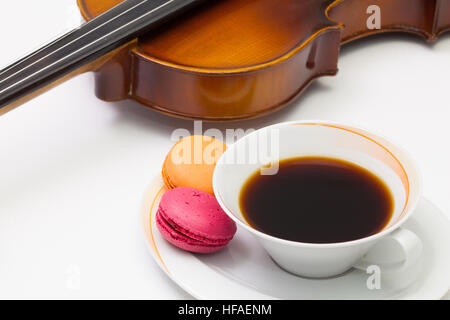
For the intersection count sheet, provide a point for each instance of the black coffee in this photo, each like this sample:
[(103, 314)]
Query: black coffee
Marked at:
[(317, 200)]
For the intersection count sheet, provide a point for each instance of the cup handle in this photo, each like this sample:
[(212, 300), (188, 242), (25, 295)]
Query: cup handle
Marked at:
[(384, 255)]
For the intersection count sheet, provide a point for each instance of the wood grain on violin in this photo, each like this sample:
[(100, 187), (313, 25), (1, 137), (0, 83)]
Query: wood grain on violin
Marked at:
[(236, 59)]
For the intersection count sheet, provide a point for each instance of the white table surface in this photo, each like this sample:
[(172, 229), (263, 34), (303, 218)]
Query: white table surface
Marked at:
[(73, 169)]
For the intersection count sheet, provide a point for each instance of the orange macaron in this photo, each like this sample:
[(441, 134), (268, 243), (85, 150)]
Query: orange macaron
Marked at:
[(191, 163)]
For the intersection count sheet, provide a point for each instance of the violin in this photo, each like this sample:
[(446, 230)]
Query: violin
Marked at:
[(214, 60)]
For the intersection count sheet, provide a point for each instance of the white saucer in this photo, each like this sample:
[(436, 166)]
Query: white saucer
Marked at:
[(243, 270)]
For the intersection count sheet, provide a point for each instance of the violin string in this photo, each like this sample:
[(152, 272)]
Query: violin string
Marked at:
[(71, 42), (88, 45), (33, 53)]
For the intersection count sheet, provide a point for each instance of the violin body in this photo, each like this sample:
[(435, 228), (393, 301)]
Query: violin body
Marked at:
[(237, 59), (212, 60), (225, 60)]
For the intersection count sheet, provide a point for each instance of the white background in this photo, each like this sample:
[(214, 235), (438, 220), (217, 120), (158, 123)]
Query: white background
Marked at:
[(73, 169)]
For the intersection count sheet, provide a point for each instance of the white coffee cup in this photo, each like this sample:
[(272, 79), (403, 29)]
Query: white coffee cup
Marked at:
[(392, 249)]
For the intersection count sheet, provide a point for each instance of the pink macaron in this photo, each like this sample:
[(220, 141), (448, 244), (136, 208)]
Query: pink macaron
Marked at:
[(194, 221)]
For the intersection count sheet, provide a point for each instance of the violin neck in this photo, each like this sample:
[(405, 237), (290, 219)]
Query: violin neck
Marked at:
[(75, 51)]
